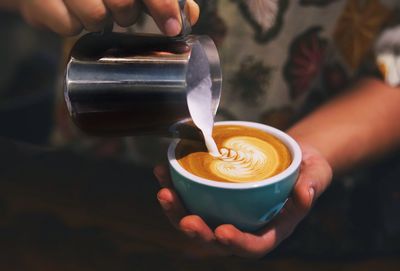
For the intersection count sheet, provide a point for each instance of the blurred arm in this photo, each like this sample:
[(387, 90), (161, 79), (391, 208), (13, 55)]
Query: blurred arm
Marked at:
[(356, 127), (9, 4)]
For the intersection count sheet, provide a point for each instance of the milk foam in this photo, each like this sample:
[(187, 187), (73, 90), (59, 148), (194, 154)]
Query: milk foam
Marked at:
[(245, 158), (199, 101)]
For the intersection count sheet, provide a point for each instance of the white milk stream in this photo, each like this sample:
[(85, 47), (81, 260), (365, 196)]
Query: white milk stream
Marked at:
[(199, 101)]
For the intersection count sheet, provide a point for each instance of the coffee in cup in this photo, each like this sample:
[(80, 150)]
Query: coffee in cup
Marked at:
[(247, 154)]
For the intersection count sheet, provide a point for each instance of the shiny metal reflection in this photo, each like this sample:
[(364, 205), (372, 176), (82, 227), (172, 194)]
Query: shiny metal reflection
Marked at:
[(122, 84)]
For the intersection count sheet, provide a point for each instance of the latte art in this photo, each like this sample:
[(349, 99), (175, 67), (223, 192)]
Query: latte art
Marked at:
[(247, 155), (244, 158)]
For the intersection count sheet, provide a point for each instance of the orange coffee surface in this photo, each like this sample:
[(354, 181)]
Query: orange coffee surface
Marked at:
[(247, 155)]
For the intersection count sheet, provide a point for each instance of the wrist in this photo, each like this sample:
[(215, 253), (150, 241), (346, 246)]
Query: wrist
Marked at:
[(314, 136), (312, 152)]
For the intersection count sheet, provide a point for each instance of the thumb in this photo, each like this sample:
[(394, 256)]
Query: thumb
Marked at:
[(315, 176)]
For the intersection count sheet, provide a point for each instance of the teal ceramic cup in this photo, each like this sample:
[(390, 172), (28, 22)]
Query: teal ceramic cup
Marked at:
[(248, 206)]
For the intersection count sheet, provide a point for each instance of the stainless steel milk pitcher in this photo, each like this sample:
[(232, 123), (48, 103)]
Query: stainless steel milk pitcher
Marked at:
[(130, 84)]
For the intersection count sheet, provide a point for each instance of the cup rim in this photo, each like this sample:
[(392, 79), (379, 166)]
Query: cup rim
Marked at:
[(292, 145)]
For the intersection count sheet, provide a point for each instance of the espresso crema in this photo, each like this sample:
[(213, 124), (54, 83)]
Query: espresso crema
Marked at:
[(247, 154)]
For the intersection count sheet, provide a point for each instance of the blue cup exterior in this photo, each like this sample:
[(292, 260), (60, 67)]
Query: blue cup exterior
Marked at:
[(249, 207)]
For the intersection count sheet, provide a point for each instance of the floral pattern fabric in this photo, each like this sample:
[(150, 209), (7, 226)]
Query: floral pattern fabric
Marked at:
[(305, 46)]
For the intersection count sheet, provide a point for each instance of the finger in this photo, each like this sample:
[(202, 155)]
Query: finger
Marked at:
[(124, 12), (315, 176), (242, 243), (166, 14), (194, 226), (257, 245), (92, 13), (171, 205), (32, 18), (52, 14), (193, 10), (162, 174)]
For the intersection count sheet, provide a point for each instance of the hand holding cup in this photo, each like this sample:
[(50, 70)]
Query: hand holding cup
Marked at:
[(231, 238)]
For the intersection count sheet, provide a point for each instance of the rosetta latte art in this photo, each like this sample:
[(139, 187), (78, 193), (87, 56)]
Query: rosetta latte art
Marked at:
[(247, 155), (245, 158)]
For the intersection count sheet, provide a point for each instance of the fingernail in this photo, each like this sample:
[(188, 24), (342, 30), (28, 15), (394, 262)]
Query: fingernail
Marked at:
[(165, 204), (311, 191), (172, 27), (189, 233)]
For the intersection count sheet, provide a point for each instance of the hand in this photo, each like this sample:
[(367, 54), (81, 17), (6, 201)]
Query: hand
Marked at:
[(69, 17), (315, 176)]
